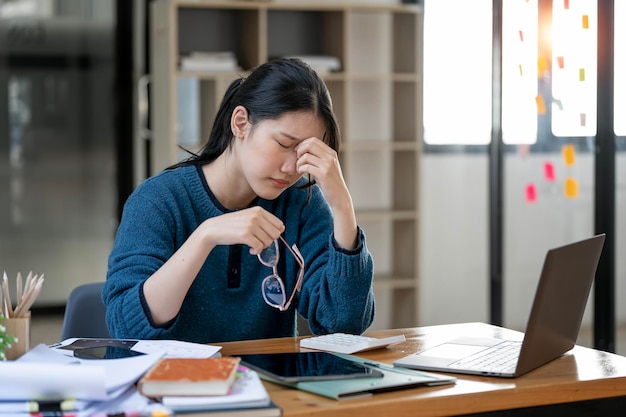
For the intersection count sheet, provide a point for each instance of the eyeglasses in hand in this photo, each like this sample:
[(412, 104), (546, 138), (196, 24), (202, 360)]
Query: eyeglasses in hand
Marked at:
[(273, 287)]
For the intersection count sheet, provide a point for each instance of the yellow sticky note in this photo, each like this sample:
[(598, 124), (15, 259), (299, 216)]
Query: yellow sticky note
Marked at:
[(585, 21), (571, 188), (542, 65), (521, 71), (569, 155), (581, 74), (541, 105)]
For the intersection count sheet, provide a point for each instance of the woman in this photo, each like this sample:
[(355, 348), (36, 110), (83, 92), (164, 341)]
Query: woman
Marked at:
[(231, 243)]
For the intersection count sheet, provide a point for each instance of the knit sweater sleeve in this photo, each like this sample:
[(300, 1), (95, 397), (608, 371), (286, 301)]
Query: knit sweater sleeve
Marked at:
[(144, 242), (337, 293)]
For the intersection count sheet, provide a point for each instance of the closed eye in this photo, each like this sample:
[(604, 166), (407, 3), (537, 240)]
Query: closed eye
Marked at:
[(282, 145)]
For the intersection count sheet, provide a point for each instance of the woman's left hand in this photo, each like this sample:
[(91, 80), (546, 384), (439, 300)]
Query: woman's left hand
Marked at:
[(317, 159)]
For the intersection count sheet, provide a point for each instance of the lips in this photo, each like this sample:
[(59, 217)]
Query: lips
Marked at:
[(279, 183)]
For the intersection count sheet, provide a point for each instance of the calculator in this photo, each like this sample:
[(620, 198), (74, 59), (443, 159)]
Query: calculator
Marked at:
[(348, 343)]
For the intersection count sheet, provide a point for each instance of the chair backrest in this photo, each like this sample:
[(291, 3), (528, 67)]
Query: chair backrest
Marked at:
[(85, 313)]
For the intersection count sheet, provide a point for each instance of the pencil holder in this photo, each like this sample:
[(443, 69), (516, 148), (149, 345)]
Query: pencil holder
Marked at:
[(20, 328)]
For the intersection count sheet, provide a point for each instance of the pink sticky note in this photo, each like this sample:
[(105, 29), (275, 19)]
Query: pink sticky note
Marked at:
[(548, 171), (583, 119), (531, 193), (566, 4), (521, 36), (560, 60)]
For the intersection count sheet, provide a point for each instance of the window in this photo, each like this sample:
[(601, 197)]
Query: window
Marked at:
[(549, 74), (457, 72)]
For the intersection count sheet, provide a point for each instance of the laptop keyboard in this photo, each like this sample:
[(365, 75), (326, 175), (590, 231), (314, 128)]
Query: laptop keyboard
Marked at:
[(499, 358)]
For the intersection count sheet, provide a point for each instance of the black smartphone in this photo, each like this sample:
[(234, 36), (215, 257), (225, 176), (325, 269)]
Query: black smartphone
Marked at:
[(102, 348), (307, 366)]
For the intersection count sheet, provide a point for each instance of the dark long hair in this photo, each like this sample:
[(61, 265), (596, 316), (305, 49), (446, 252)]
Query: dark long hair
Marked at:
[(271, 90)]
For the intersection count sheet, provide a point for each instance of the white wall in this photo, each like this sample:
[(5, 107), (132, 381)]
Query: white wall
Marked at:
[(454, 232)]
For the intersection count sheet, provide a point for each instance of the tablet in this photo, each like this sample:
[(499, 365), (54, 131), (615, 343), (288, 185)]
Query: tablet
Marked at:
[(307, 366)]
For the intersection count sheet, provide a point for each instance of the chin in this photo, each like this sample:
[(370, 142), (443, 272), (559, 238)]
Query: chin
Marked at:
[(270, 194)]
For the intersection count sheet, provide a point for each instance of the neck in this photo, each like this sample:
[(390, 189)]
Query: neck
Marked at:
[(227, 182)]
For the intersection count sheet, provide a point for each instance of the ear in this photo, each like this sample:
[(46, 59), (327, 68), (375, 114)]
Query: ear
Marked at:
[(239, 123)]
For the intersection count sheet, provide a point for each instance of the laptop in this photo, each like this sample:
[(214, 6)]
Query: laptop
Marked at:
[(552, 329)]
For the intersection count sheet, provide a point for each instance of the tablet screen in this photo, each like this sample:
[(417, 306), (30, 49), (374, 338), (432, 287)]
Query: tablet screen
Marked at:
[(307, 366)]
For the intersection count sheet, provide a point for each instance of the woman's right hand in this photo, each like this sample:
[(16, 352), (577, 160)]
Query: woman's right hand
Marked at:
[(254, 226), (166, 289)]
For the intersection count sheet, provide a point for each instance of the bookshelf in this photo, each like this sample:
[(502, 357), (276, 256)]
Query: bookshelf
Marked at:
[(377, 97)]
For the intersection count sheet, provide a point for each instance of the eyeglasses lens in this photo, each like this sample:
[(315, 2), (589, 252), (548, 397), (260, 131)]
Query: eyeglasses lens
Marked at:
[(269, 256), (273, 290)]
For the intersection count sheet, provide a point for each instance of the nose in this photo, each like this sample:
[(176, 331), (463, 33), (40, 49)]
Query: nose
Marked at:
[(289, 165)]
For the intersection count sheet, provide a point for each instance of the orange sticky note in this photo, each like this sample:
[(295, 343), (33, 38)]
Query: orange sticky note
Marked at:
[(531, 193), (541, 105), (571, 188), (585, 21), (566, 4), (569, 155), (581, 74), (548, 171), (560, 60), (521, 36)]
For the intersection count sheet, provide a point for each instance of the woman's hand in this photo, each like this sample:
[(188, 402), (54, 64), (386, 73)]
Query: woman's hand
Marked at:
[(319, 160), (254, 226), (166, 289)]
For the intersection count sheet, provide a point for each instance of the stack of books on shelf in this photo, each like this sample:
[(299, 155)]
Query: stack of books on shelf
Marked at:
[(209, 62), (214, 386), (322, 64)]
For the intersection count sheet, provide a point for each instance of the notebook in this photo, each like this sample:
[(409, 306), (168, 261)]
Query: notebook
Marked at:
[(552, 329)]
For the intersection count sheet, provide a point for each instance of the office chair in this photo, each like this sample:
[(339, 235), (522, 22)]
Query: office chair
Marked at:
[(85, 313)]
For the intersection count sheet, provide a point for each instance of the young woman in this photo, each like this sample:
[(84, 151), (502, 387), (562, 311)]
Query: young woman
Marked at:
[(231, 243)]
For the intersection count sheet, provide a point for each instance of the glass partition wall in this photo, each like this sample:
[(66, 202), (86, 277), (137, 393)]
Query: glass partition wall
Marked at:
[(57, 142), (548, 126)]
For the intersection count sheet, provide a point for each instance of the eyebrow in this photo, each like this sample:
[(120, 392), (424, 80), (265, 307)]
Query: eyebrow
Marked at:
[(287, 135)]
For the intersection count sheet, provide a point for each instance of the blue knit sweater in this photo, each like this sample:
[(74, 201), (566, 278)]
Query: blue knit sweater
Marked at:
[(225, 302)]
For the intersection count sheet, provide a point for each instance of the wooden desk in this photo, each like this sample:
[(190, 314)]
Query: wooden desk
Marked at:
[(580, 375)]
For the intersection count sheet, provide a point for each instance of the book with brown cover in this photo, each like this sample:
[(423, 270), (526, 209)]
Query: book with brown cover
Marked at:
[(189, 377)]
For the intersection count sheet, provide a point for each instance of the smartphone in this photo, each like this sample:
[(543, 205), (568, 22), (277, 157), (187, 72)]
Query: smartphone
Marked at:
[(102, 348), (307, 366)]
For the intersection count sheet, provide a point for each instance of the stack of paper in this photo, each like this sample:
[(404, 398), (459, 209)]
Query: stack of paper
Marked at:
[(209, 62), (50, 376)]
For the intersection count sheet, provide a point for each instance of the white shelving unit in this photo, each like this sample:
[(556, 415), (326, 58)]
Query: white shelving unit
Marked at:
[(377, 97)]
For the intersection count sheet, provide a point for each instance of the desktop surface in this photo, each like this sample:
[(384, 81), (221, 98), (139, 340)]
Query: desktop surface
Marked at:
[(581, 375)]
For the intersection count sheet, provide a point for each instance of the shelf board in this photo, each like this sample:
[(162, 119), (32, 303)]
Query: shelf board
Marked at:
[(352, 145), (369, 215), (393, 282)]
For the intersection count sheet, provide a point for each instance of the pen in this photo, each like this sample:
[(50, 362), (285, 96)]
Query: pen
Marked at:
[(135, 413)]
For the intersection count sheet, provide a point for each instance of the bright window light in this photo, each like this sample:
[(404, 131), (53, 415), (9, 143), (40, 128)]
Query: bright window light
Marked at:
[(574, 63), (619, 111), (457, 72), (521, 68)]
